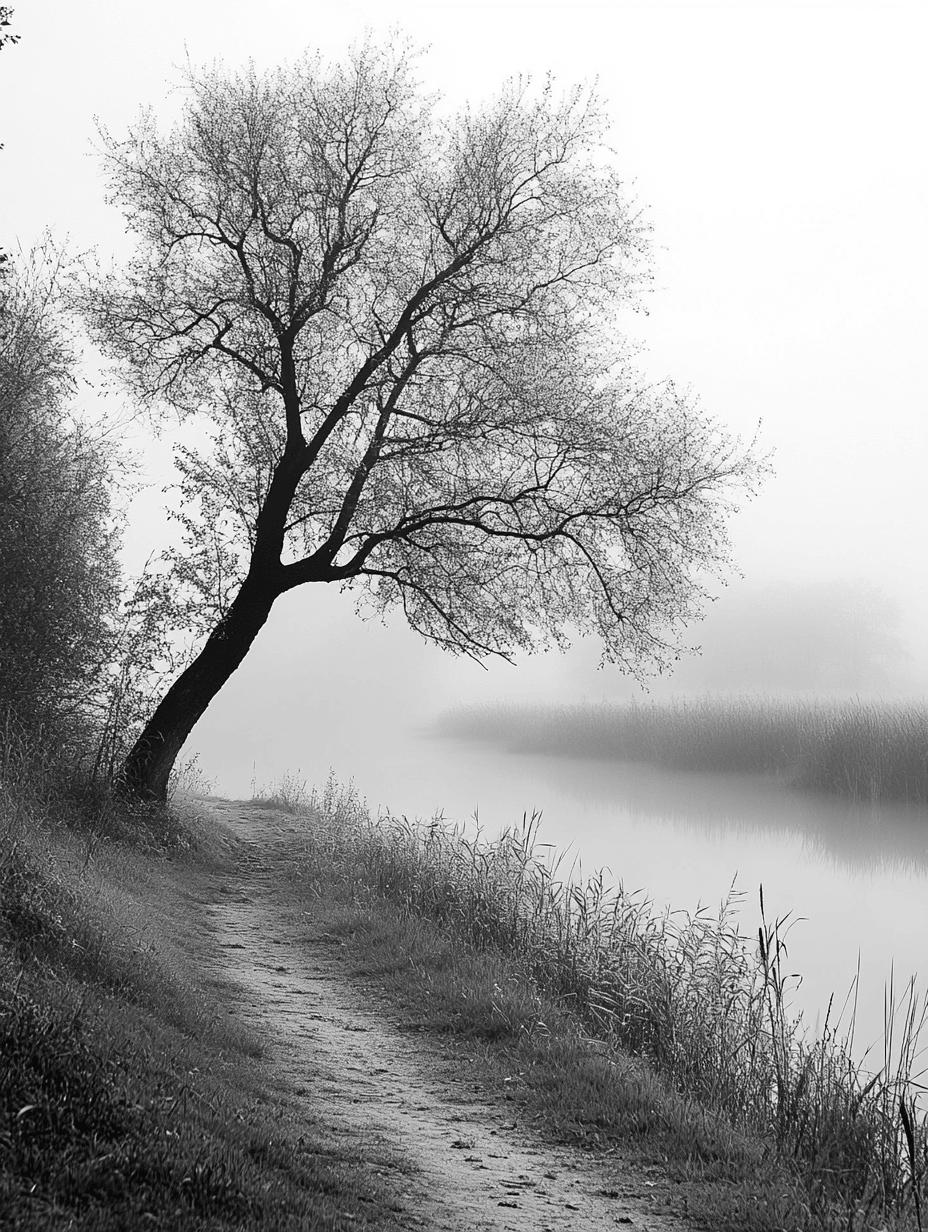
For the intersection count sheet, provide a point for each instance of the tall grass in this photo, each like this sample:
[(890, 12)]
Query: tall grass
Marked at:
[(875, 751), (707, 1008)]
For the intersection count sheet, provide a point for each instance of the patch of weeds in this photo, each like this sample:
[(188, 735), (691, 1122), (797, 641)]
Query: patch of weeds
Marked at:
[(289, 794), (92, 808), (60, 917)]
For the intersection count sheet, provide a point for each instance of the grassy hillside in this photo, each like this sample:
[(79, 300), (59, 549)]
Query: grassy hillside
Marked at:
[(862, 750), (128, 1096)]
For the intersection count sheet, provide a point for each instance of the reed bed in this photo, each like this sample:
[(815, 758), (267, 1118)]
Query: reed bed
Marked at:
[(707, 1008), (872, 751)]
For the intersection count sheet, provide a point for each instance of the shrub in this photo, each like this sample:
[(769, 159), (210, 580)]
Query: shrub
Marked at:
[(57, 539)]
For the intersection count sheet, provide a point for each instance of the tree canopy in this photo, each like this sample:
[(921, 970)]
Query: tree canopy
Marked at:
[(401, 325)]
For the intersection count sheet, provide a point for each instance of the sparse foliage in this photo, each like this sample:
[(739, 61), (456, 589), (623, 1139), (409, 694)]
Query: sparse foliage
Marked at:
[(401, 327), (6, 14), (6, 38), (147, 648)]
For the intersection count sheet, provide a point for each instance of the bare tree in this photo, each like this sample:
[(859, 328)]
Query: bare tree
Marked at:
[(402, 329)]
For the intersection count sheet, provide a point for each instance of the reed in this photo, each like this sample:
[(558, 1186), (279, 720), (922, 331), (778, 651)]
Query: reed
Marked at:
[(873, 751), (705, 1007)]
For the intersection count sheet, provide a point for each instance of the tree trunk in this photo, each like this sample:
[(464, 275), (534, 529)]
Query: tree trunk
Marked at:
[(147, 768)]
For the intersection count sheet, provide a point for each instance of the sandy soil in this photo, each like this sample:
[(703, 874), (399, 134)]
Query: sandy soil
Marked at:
[(455, 1160)]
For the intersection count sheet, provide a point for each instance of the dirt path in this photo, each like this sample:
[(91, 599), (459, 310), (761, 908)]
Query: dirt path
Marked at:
[(457, 1161)]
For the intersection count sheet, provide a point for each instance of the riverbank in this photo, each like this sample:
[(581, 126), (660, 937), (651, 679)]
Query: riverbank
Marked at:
[(169, 1042)]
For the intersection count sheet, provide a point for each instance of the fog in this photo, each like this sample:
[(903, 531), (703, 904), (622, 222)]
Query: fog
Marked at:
[(778, 149)]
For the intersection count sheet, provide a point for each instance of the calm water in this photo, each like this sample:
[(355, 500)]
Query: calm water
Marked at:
[(854, 879)]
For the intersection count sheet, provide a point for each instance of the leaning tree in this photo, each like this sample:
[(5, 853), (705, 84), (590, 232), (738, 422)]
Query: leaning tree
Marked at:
[(400, 325)]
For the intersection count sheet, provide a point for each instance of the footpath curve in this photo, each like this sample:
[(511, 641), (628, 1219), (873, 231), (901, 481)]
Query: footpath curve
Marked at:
[(455, 1159)]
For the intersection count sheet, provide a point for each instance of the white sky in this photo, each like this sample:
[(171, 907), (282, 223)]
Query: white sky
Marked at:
[(780, 148)]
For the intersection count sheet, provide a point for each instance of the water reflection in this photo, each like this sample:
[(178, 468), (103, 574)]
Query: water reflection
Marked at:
[(856, 835)]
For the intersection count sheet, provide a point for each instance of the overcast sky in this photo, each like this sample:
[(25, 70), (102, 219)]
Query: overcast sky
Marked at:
[(780, 151)]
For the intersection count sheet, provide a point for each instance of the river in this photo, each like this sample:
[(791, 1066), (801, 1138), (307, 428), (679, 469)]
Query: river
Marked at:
[(852, 879)]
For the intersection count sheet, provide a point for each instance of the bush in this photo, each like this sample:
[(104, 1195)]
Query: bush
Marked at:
[(57, 539)]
